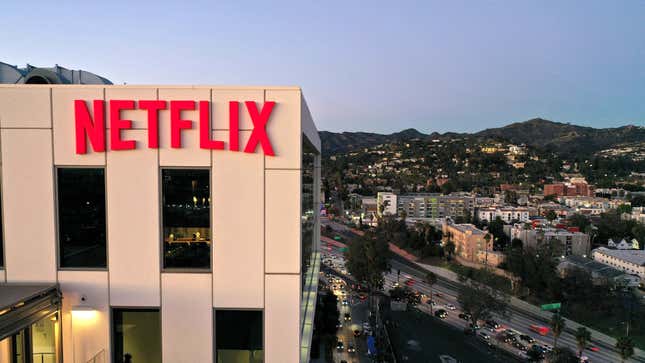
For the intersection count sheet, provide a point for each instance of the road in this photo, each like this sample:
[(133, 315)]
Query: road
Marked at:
[(518, 319)]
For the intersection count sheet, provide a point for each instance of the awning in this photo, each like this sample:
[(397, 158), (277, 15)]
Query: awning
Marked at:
[(24, 304)]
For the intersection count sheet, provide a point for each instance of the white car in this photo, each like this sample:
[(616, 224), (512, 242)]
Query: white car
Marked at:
[(451, 307)]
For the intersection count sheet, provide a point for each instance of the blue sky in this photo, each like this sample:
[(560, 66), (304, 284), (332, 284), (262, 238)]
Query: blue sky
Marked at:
[(370, 66)]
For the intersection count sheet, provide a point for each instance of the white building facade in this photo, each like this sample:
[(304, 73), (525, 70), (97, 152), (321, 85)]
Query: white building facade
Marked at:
[(507, 214), (184, 228), (629, 261)]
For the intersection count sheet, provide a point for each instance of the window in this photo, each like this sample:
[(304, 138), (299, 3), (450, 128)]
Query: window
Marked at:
[(238, 336), (81, 218), (307, 217), (136, 333), (186, 218)]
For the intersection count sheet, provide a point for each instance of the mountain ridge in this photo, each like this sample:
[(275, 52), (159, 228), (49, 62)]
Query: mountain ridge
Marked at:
[(564, 138)]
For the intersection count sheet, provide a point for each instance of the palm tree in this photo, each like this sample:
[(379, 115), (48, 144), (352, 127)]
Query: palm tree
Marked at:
[(487, 238), (431, 279), (625, 347), (557, 325), (583, 336)]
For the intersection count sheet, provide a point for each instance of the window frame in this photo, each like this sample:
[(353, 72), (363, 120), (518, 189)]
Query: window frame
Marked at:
[(57, 218), (215, 310), (112, 325), (162, 268)]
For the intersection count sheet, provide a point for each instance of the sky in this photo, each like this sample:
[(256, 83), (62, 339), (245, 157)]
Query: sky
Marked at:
[(372, 66)]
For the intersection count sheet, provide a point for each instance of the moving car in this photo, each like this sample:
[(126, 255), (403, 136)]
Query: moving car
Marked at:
[(345, 302), (350, 348), (492, 324), (465, 316), (593, 348), (348, 317), (542, 330), (340, 346), (527, 338), (484, 336), (357, 333), (441, 313), (451, 307)]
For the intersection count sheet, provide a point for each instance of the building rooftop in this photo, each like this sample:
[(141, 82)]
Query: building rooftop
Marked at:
[(594, 266), (633, 256), (465, 227)]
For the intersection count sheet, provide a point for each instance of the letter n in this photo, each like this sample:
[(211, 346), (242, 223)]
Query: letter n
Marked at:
[(86, 128)]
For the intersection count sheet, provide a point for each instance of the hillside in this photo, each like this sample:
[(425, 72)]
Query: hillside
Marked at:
[(565, 139)]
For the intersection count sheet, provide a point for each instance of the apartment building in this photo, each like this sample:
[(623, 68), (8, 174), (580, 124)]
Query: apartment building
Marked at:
[(386, 203), (572, 242), (507, 214), (469, 240), (629, 261)]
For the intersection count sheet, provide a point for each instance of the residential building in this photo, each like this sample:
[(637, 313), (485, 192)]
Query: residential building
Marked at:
[(434, 205), (507, 214), (190, 235), (572, 242), (600, 273), (628, 261), (578, 187), (469, 240), (386, 203)]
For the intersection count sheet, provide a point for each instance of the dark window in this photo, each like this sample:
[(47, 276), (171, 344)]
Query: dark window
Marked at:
[(136, 335), (186, 218), (238, 336), (81, 217), (307, 212)]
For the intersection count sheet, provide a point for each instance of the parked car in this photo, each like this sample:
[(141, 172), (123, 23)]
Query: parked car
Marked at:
[(441, 313)]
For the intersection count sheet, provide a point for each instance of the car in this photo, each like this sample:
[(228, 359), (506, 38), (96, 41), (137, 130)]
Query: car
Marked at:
[(492, 324), (348, 317), (345, 302), (527, 338), (350, 348), (357, 333), (593, 348), (484, 336), (474, 326), (441, 314), (363, 297), (339, 324), (465, 316), (451, 307), (431, 302), (409, 282), (340, 346)]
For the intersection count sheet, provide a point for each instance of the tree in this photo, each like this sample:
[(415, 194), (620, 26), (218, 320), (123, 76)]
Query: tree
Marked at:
[(431, 279), (551, 215), (624, 208), (449, 248), (562, 355), (367, 260), (481, 300), (583, 336), (557, 326), (625, 347)]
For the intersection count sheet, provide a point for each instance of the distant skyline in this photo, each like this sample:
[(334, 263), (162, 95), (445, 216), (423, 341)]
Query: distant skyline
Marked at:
[(459, 66)]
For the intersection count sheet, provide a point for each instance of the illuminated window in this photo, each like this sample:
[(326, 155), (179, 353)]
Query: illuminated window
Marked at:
[(136, 335), (81, 218), (186, 218)]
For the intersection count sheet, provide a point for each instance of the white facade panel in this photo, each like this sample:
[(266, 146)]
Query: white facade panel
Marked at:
[(221, 99), (282, 318), (282, 218), (28, 210), (132, 180), (139, 117), (85, 334), (238, 220), (186, 318), (284, 129), (14, 114)]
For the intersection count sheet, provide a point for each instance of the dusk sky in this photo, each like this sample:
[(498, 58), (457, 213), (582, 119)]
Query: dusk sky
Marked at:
[(368, 66)]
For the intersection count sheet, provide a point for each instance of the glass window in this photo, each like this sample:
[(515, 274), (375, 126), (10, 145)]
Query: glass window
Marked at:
[(238, 336), (186, 218), (81, 217), (136, 336), (43, 341), (307, 212)]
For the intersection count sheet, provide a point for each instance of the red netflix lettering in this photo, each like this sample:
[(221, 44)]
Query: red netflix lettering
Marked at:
[(117, 124), (91, 125), (259, 134), (86, 128), (153, 108)]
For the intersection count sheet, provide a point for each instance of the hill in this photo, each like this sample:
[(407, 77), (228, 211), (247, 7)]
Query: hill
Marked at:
[(563, 138)]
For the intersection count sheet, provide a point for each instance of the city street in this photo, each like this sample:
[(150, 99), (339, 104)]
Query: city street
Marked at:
[(518, 320)]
